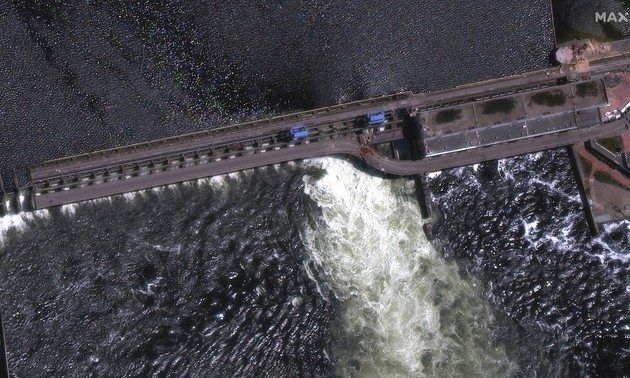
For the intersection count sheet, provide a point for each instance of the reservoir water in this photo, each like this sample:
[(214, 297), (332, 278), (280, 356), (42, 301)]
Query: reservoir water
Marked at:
[(315, 268)]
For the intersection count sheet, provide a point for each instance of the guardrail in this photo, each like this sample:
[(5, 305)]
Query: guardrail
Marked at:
[(206, 155), (293, 117)]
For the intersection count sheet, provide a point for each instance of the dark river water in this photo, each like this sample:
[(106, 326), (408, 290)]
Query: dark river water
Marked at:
[(313, 268)]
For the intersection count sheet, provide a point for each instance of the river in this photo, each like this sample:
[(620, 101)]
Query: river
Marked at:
[(314, 268)]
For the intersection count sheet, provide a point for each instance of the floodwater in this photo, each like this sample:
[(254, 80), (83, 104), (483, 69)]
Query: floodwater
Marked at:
[(314, 268)]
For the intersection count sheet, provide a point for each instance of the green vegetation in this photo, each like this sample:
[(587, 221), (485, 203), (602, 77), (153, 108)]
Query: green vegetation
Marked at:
[(618, 211), (586, 89), (611, 81), (502, 105), (568, 34), (565, 33), (606, 178), (612, 144), (610, 31), (587, 166), (449, 115), (550, 98)]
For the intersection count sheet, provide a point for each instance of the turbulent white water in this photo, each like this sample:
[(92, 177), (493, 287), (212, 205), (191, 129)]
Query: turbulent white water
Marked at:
[(405, 310), (15, 224)]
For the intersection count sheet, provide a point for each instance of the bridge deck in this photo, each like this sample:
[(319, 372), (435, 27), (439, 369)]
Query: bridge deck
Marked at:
[(193, 156), (497, 151), (190, 142), (193, 172), (347, 146)]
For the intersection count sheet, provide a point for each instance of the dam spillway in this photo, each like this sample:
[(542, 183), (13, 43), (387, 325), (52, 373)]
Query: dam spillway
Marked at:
[(345, 129)]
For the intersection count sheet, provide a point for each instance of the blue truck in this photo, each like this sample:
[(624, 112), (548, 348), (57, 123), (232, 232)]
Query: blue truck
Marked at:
[(298, 132), (374, 118)]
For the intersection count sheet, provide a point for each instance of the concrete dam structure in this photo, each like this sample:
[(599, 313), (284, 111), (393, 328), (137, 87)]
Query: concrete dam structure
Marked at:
[(460, 126)]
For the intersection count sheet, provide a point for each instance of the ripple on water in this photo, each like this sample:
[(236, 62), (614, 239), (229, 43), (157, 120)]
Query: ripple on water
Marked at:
[(405, 310)]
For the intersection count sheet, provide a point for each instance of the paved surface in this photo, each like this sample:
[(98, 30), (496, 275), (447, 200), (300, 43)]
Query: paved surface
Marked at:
[(493, 152), (202, 142), (599, 165), (473, 92), (143, 152), (626, 141), (526, 119), (502, 133), (451, 142), (331, 147), (552, 123), (347, 146)]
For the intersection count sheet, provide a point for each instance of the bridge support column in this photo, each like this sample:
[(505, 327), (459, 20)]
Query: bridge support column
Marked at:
[(576, 167), (422, 195), (8, 203)]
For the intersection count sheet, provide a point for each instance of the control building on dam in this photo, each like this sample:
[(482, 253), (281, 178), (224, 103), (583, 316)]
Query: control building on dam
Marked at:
[(429, 131)]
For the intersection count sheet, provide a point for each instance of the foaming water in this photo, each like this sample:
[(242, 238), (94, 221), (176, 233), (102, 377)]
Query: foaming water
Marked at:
[(405, 310), (128, 284), (518, 224), (194, 279), (11, 225), (69, 209), (116, 73)]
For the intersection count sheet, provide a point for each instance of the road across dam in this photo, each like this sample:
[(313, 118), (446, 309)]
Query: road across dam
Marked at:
[(334, 146), (341, 129)]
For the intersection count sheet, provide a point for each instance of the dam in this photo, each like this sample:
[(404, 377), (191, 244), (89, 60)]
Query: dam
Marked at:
[(468, 124)]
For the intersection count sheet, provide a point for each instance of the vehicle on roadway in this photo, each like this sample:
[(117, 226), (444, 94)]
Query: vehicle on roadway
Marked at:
[(375, 118), (298, 132)]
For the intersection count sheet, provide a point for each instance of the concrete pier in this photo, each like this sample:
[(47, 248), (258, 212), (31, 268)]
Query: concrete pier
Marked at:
[(9, 203), (4, 363), (578, 173), (421, 194), (343, 129)]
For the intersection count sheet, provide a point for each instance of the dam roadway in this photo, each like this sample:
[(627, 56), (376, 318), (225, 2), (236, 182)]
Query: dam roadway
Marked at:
[(340, 146), (336, 130)]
